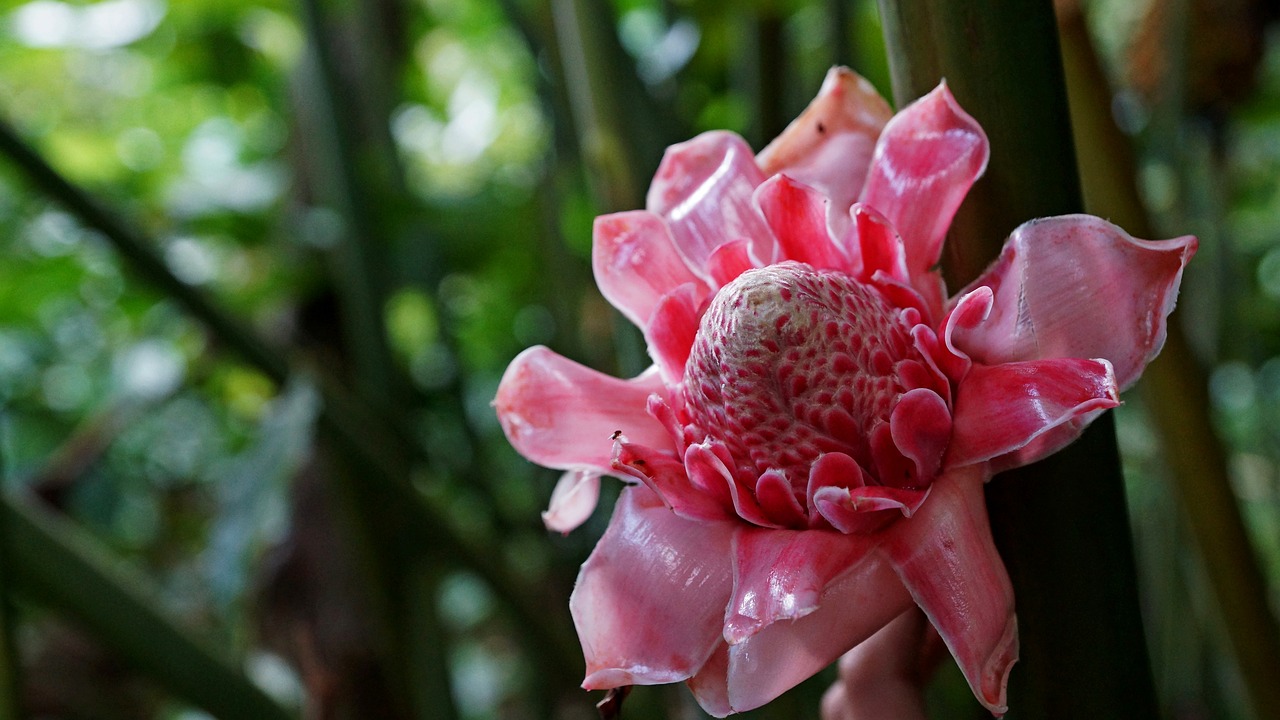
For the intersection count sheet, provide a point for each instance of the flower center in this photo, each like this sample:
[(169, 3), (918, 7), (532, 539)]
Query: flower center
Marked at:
[(790, 363)]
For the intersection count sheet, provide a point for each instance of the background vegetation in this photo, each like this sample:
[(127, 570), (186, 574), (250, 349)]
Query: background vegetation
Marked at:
[(264, 264)]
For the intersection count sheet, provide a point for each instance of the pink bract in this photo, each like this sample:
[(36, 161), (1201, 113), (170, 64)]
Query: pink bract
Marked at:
[(811, 443)]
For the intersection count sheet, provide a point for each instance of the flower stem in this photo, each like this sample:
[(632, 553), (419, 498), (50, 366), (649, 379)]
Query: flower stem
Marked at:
[(1061, 524)]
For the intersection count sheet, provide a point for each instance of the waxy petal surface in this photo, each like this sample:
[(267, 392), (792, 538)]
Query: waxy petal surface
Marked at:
[(667, 477), (729, 261), (925, 162), (867, 509), (1078, 286), (780, 575), (778, 501), (829, 146), (921, 428), (879, 246), (1001, 409), (762, 667), (672, 328), (649, 602), (636, 263), (946, 558), (573, 500), (703, 190), (813, 439), (560, 414), (797, 214)]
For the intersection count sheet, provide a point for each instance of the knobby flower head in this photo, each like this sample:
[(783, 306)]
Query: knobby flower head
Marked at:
[(811, 443)]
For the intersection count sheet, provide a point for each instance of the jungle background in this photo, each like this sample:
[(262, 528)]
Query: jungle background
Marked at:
[(264, 263)]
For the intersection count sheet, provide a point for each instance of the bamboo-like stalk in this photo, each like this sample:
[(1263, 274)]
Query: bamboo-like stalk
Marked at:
[(402, 583), (1175, 387), (765, 68), (361, 257), (621, 134), (584, 39), (51, 561), (1061, 525)]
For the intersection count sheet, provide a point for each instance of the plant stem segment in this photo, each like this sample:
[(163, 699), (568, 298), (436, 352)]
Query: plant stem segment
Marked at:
[(1176, 388), (1061, 525)]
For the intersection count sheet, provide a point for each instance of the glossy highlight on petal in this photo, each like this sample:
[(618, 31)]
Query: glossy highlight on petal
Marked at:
[(703, 190), (563, 415), (921, 427), (649, 602), (797, 213), (925, 161), (1003, 408), (879, 246), (1078, 286), (636, 262), (829, 146), (667, 477), (763, 666), (780, 574), (947, 559)]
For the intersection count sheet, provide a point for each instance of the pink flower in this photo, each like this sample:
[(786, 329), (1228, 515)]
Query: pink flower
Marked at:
[(811, 443)]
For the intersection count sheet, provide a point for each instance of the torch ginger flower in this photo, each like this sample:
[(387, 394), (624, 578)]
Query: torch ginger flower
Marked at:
[(811, 443)]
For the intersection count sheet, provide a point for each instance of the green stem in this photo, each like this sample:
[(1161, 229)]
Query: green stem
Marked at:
[(1061, 525), (621, 134), (1176, 389), (54, 563), (360, 176), (347, 177), (838, 13), (595, 101), (766, 72), (620, 148)]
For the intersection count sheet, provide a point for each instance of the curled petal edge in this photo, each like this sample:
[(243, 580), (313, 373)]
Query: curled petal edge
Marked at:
[(561, 414)]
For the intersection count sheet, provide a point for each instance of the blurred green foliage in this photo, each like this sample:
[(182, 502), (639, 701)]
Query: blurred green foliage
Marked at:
[(199, 123)]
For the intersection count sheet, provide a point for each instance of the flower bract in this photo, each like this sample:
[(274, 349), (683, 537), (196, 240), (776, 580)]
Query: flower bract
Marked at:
[(806, 456)]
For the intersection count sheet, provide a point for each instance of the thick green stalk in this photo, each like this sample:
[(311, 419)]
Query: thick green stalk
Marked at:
[(54, 563), (1176, 389), (352, 175), (594, 99), (358, 175), (838, 12), (620, 134), (765, 68), (1061, 525)]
